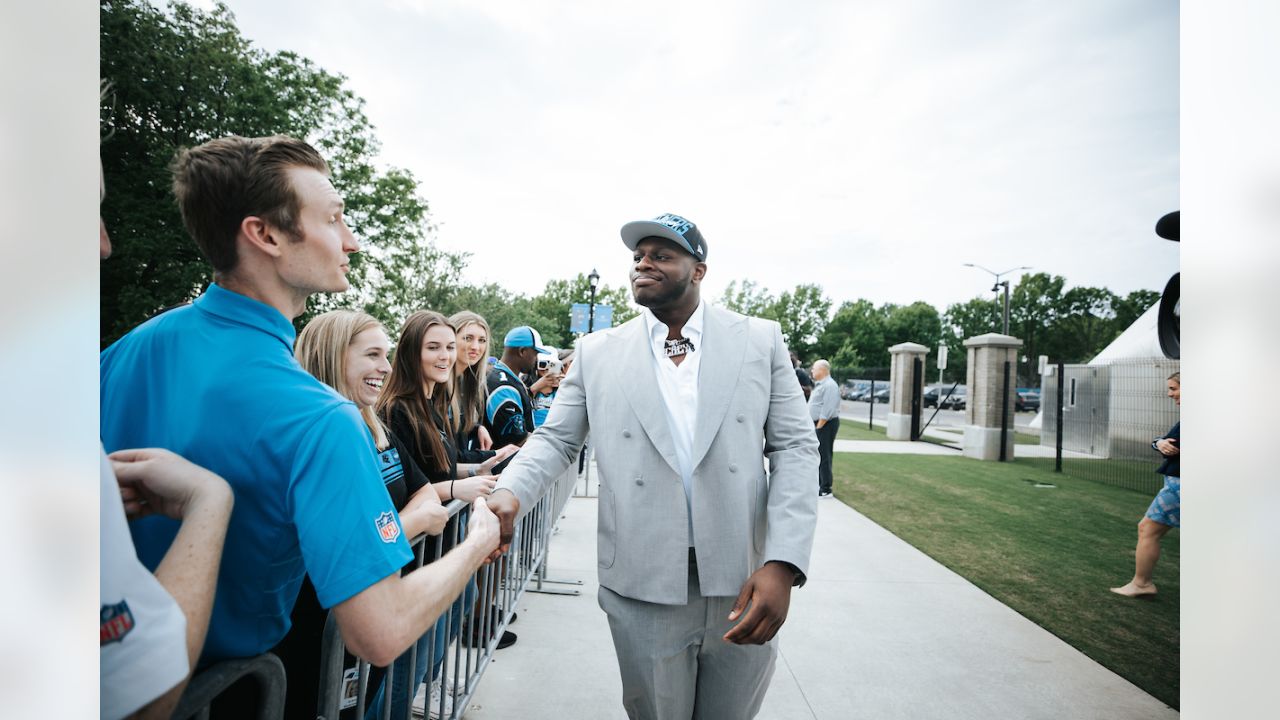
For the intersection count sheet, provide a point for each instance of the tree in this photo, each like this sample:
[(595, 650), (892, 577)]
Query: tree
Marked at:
[(181, 76), (1131, 307), (962, 321), (747, 298), (549, 311), (854, 337), (1034, 307), (1085, 323), (802, 313)]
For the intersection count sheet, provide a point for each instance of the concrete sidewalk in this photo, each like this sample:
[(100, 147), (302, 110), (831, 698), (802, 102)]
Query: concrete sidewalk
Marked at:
[(880, 631), (951, 439)]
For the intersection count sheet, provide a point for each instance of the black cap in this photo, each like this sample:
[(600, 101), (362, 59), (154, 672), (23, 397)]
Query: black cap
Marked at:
[(1167, 226), (671, 227)]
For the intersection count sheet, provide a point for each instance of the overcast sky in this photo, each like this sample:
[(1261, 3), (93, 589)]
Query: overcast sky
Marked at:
[(870, 147)]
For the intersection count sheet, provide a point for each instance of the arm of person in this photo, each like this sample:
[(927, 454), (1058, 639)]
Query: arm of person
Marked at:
[(547, 453), (423, 513), (383, 620), (486, 466), (158, 481), (465, 489), (792, 451), (830, 402), (506, 416)]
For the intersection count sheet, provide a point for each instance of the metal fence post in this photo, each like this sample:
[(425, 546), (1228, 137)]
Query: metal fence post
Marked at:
[(1004, 416), (1062, 373), (871, 406), (917, 384)]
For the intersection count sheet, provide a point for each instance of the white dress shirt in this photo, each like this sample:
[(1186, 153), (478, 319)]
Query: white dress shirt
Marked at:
[(679, 387)]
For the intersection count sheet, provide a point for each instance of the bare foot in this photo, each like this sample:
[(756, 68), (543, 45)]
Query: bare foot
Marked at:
[(1135, 590)]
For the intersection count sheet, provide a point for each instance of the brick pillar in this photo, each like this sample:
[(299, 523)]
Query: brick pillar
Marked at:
[(985, 378), (901, 355)]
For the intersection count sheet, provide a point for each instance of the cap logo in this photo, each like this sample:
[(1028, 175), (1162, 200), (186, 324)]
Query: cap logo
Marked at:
[(675, 222)]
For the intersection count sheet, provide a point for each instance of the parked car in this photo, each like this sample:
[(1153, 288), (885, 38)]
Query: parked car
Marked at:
[(851, 388), (930, 397), (1027, 401), (956, 400), (881, 394)]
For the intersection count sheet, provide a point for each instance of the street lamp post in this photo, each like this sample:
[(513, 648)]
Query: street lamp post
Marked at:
[(593, 281), (999, 283)]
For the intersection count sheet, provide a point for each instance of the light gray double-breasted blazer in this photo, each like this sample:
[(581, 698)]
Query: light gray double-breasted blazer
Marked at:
[(750, 410)]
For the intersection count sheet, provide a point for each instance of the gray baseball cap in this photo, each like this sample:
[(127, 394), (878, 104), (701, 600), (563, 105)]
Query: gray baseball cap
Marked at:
[(671, 227)]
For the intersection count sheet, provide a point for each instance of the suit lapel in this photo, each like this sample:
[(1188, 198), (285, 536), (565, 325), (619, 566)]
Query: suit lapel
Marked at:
[(724, 342), (636, 375)]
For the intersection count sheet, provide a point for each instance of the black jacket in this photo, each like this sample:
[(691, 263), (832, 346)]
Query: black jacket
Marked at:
[(1170, 464)]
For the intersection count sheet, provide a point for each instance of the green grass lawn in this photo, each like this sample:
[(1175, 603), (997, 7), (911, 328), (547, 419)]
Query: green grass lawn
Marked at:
[(1048, 553), (857, 430), (849, 430)]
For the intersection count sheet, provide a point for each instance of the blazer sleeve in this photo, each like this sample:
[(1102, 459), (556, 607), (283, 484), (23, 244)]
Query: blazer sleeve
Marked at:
[(791, 447), (549, 450)]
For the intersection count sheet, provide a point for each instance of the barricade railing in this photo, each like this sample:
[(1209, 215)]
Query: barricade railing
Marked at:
[(457, 649)]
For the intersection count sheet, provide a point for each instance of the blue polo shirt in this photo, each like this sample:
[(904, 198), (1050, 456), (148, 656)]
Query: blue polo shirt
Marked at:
[(216, 382)]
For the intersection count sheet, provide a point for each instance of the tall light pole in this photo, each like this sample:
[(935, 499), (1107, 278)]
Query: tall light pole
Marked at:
[(999, 283), (593, 281)]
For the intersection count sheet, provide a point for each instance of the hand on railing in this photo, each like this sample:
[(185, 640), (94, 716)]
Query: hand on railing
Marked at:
[(468, 489), (483, 528), (505, 505), (424, 514)]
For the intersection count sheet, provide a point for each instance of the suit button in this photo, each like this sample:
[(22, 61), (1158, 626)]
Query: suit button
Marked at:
[(639, 481), (626, 433), (733, 468), (742, 418)]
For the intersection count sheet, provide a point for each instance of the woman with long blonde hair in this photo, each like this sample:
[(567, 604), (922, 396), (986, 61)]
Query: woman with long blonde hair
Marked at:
[(471, 374), (347, 350)]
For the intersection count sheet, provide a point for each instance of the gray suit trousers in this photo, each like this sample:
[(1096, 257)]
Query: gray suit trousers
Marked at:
[(675, 664)]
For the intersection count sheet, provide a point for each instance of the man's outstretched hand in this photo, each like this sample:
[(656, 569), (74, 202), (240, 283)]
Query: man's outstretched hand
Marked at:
[(506, 506), (766, 597)]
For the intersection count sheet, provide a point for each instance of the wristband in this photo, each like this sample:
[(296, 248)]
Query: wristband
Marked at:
[(451, 482)]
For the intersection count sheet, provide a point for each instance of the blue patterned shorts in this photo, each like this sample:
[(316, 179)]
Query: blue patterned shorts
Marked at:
[(1166, 508)]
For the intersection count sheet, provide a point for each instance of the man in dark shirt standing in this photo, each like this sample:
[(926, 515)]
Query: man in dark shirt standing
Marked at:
[(509, 410), (802, 375)]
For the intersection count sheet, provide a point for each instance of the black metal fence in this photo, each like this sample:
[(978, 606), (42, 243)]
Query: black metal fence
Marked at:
[(1110, 414)]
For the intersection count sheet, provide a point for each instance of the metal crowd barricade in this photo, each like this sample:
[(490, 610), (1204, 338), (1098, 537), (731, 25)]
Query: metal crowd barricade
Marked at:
[(468, 641)]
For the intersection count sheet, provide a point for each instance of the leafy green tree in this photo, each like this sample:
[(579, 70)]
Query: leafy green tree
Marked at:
[(854, 337), (748, 298), (1034, 307), (549, 311), (962, 321), (802, 313), (1131, 307), (1085, 323), (180, 76)]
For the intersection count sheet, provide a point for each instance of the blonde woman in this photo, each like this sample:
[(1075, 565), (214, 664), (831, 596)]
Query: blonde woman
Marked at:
[(470, 380), (1165, 511), (347, 350)]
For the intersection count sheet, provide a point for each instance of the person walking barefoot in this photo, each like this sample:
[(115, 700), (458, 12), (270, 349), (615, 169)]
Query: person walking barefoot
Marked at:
[(1165, 508)]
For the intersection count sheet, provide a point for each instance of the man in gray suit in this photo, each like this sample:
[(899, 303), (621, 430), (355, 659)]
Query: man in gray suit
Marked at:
[(698, 545)]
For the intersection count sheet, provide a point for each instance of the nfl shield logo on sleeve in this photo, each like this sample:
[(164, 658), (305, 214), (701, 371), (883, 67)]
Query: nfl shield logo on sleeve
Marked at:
[(388, 528), (117, 621)]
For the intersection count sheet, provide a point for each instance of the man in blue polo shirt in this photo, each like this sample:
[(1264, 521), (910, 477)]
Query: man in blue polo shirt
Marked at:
[(216, 381)]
